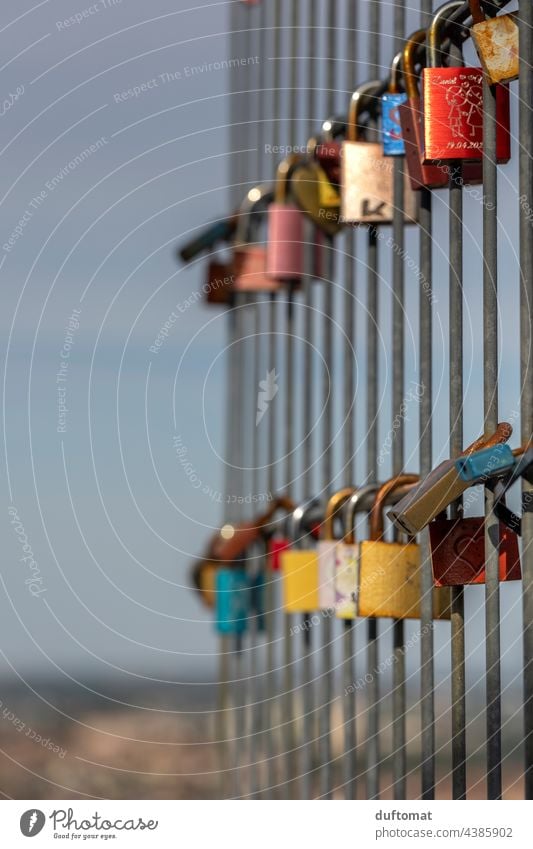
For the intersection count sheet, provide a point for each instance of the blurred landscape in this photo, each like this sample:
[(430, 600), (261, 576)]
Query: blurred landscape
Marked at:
[(110, 750)]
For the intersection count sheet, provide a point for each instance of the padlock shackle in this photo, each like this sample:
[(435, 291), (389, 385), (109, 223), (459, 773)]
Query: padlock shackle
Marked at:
[(361, 101), (410, 77), (334, 505), (360, 502), (503, 433), (332, 128), (295, 531), (435, 32), (262, 194), (377, 525), (395, 72), (283, 177)]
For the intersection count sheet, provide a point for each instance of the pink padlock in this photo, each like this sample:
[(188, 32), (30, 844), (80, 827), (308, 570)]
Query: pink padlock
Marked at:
[(295, 247), (249, 257)]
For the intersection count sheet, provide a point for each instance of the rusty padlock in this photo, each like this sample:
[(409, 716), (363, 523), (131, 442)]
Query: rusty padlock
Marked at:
[(458, 552), (440, 488), (367, 174), (327, 548), (452, 100), (389, 579), (394, 97), (249, 255), (421, 176), (219, 285), (496, 43)]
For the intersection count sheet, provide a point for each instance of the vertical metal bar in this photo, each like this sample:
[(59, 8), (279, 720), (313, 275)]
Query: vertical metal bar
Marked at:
[(325, 754), (291, 755), (270, 588), (490, 393), (225, 644), (349, 761), (526, 346), (307, 401), (427, 676), (372, 743), (399, 763), (455, 354)]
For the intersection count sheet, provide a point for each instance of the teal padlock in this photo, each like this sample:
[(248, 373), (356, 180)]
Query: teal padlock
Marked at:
[(232, 601)]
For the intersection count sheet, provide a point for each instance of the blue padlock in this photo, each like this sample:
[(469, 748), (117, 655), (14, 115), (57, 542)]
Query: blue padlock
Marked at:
[(393, 144), (232, 606), (485, 464)]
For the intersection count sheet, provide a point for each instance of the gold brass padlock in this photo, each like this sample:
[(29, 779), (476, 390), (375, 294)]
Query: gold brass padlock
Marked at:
[(440, 488), (496, 43), (328, 548), (367, 174), (346, 555), (389, 573), (316, 195), (299, 566)]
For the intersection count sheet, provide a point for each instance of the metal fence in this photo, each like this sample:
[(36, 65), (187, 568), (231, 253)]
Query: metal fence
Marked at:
[(346, 348)]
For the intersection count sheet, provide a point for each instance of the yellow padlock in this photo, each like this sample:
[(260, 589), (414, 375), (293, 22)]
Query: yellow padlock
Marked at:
[(388, 576), (328, 548), (346, 553), (299, 566)]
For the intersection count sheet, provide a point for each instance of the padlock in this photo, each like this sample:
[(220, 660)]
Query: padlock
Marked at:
[(496, 43), (219, 285), (231, 542), (522, 469), (327, 549), (276, 547), (368, 175), (452, 101), (203, 576), (285, 245), (220, 231), (316, 195), (299, 565), (345, 572), (393, 144), (232, 593), (440, 488), (485, 464), (458, 552), (295, 247), (389, 573), (429, 176), (328, 150), (250, 256)]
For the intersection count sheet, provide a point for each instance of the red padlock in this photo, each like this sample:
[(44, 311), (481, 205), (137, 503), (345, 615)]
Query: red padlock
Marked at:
[(429, 176), (286, 222), (276, 547), (453, 105), (250, 257), (458, 552)]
